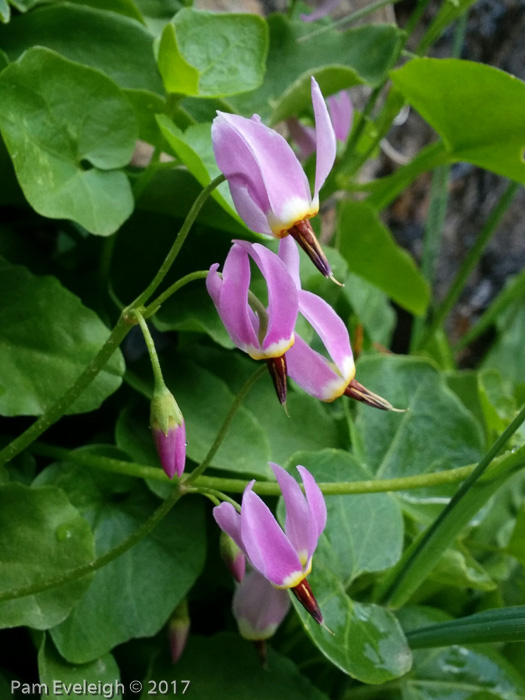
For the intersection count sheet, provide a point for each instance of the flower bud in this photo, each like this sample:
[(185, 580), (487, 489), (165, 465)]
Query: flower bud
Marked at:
[(169, 432), (232, 556), (179, 628)]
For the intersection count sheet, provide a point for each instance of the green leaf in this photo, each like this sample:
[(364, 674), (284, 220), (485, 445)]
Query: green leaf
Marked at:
[(233, 670), (338, 60), (457, 672), (364, 533), (310, 425), (209, 54), (447, 92), (134, 595), (448, 12), (42, 536), (147, 106), (116, 45), (371, 252), (53, 668), (367, 641), (436, 432), (127, 8), (48, 338), (194, 148), (499, 625), (459, 568), (67, 164)]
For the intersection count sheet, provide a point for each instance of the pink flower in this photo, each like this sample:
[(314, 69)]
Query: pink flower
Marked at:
[(258, 607), (284, 558), (268, 184), (264, 332), (324, 8)]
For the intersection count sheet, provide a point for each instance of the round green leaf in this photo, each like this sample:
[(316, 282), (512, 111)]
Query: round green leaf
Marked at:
[(367, 641), (48, 338), (209, 54), (436, 432), (42, 536), (118, 46), (66, 164), (53, 668), (364, 532), (134, 595), (226, 666), (447, 93)]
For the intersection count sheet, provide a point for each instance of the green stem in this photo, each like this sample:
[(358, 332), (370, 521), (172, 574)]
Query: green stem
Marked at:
[(178, 243), (389, 590), (146, 175), (155, 305), (85, 569), (270, 488), (470, 262), (152, 351), (190, 479), (59, 408), (416, 16)]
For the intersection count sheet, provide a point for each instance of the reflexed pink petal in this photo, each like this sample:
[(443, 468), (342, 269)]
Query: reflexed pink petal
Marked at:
[(342, 113), (325, 136), (315, 498), (330, 329), (271, 172), (232, 556), (303, 136), (289, 254), (298, 526), (229, 520), (312, 372), (322, 10), (233, 298), (266, 545), (238, 164), (283, 305), (258, 607)]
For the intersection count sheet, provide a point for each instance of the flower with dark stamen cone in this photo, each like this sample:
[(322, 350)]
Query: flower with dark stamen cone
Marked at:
[(284, 558), (264, 332), (268, 184), (169, 431), (179, 629)]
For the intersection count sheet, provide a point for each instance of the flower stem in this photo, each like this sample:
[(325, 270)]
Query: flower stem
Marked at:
[(178, 243), (270, 488), (60, 406), (152, 350)]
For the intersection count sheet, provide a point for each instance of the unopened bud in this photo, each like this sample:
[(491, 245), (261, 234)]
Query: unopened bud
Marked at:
[(179, 629), (169, 432), (232, 556)]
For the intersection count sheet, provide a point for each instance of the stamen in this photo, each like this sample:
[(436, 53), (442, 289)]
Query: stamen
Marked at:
[(303, 233), (277, 369), (359, 392), (304, 595)]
